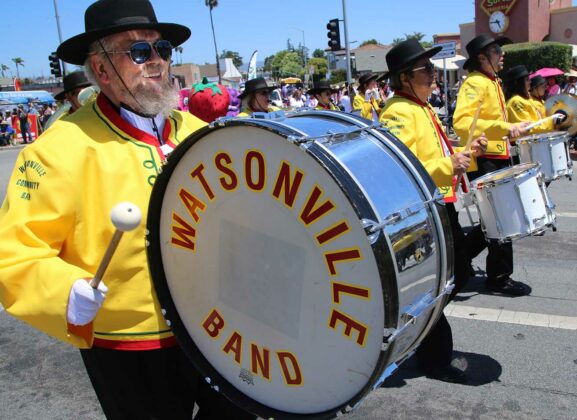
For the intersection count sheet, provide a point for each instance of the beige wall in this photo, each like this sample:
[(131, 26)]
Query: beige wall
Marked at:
[(564, 26), (190, 72), (467, 34)]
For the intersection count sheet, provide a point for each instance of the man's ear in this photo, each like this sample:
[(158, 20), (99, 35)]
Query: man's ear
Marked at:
[(99, 69)]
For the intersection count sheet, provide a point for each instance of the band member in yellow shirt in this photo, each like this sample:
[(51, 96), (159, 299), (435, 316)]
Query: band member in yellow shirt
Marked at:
[(367, 99), (255, 97), (482, 85), (323, 92), (409, 117), (520, 106)]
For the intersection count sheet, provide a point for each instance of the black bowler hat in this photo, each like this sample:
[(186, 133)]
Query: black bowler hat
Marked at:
[(516, 72), (319, 87), (479, 43), (71, 82), (537, 81), (367, 77), (254, 85), (405, 54), (107, 17)]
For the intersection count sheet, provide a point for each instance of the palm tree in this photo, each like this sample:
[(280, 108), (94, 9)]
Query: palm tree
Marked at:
[(178, 50), (211, 4), (19, 62), (3, 68)]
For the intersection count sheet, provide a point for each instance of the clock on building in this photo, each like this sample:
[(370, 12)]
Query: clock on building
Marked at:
[(498, 22)]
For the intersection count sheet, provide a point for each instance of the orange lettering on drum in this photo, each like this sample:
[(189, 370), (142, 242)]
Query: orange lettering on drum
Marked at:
[(258, 158), (343, 255), (350, 325), (349, 289), (213, 323), (198, 173), (312, 212), (292, 376), (332, 232), (260, 363), (284, 182), (234, 344), (184, 231), (222, 161), (192, 203)]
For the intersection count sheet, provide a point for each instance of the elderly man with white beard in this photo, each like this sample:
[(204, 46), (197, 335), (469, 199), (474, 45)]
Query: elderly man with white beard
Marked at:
[(55, 224)]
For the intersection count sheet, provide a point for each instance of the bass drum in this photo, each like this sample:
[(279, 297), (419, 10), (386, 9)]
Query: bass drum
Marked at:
[(298, 258)]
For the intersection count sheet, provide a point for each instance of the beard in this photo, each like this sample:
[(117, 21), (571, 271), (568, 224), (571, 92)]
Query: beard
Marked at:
[(156, 101)]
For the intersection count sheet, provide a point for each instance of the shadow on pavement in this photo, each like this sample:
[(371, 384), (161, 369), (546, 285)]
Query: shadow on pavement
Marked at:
[(481, 370), (476, 286)]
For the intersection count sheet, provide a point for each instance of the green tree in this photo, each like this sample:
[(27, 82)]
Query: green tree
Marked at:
[(18, 62), (338, 76), (369, 41), (236, 58), (211, 4), (290, 64), (320, 64), (415, 35), (318, 53), (3, 68)]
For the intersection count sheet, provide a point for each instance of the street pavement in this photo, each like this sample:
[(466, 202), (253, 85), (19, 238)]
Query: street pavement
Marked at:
[(521, 352)]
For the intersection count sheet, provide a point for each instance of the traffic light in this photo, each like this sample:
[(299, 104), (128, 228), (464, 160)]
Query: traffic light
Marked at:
[(334, 35), (55, 65)]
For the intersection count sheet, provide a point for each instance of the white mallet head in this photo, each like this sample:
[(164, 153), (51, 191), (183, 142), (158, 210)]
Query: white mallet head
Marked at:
[(126, 216)]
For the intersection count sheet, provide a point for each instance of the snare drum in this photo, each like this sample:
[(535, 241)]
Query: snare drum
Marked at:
[(551, 150), (298, 258), (513, 202)]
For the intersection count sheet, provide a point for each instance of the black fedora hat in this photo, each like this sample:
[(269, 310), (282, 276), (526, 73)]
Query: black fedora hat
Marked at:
[(107, 17), (319, 87), (254, 85), (72, 81), (537, 81), (516, 72), (479, 43), (405, 54), (367, 77)]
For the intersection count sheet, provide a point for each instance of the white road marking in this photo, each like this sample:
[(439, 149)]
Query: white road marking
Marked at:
[(512, 317)]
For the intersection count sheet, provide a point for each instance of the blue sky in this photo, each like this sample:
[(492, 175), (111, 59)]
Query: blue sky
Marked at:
[(29, 27)]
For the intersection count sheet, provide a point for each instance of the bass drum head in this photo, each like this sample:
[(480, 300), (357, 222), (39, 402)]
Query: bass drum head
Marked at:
[(265, 273)]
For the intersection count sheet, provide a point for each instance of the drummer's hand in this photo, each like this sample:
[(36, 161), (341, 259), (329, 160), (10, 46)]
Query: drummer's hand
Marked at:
[(519, 129), (479, 145), (461, 162), (560, 118), (84, 302)]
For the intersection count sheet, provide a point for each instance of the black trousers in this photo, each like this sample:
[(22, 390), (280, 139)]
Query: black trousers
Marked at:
[(153, 384), (499, 262), (436, 350)]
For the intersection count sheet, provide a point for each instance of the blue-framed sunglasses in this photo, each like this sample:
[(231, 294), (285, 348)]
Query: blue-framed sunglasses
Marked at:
[(141, 51)]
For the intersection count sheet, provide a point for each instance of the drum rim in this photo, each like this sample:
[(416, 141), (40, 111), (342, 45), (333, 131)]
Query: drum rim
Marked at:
[(189, 347), (543, 137), (485, 181)]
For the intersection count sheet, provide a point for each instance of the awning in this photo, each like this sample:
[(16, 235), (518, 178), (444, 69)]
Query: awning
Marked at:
[(453, 63)]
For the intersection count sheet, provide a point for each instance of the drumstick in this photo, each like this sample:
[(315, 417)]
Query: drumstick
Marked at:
[(473, 126), (125, 217), (541, 121)]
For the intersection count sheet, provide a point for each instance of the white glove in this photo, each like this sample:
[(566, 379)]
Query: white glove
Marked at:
[(84, 302), (376, 94), (368, 95)]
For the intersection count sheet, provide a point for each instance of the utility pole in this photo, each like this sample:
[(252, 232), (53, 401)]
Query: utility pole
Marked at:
[(59, 30), (349, 75)]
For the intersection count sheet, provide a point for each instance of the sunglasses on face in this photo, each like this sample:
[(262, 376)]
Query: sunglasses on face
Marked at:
[(141, 51), (495, 50), (429, 68)]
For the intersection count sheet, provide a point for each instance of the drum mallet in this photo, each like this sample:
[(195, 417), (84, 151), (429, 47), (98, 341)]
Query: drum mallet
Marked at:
[(471, 135), (125, 217), (542, 120)]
